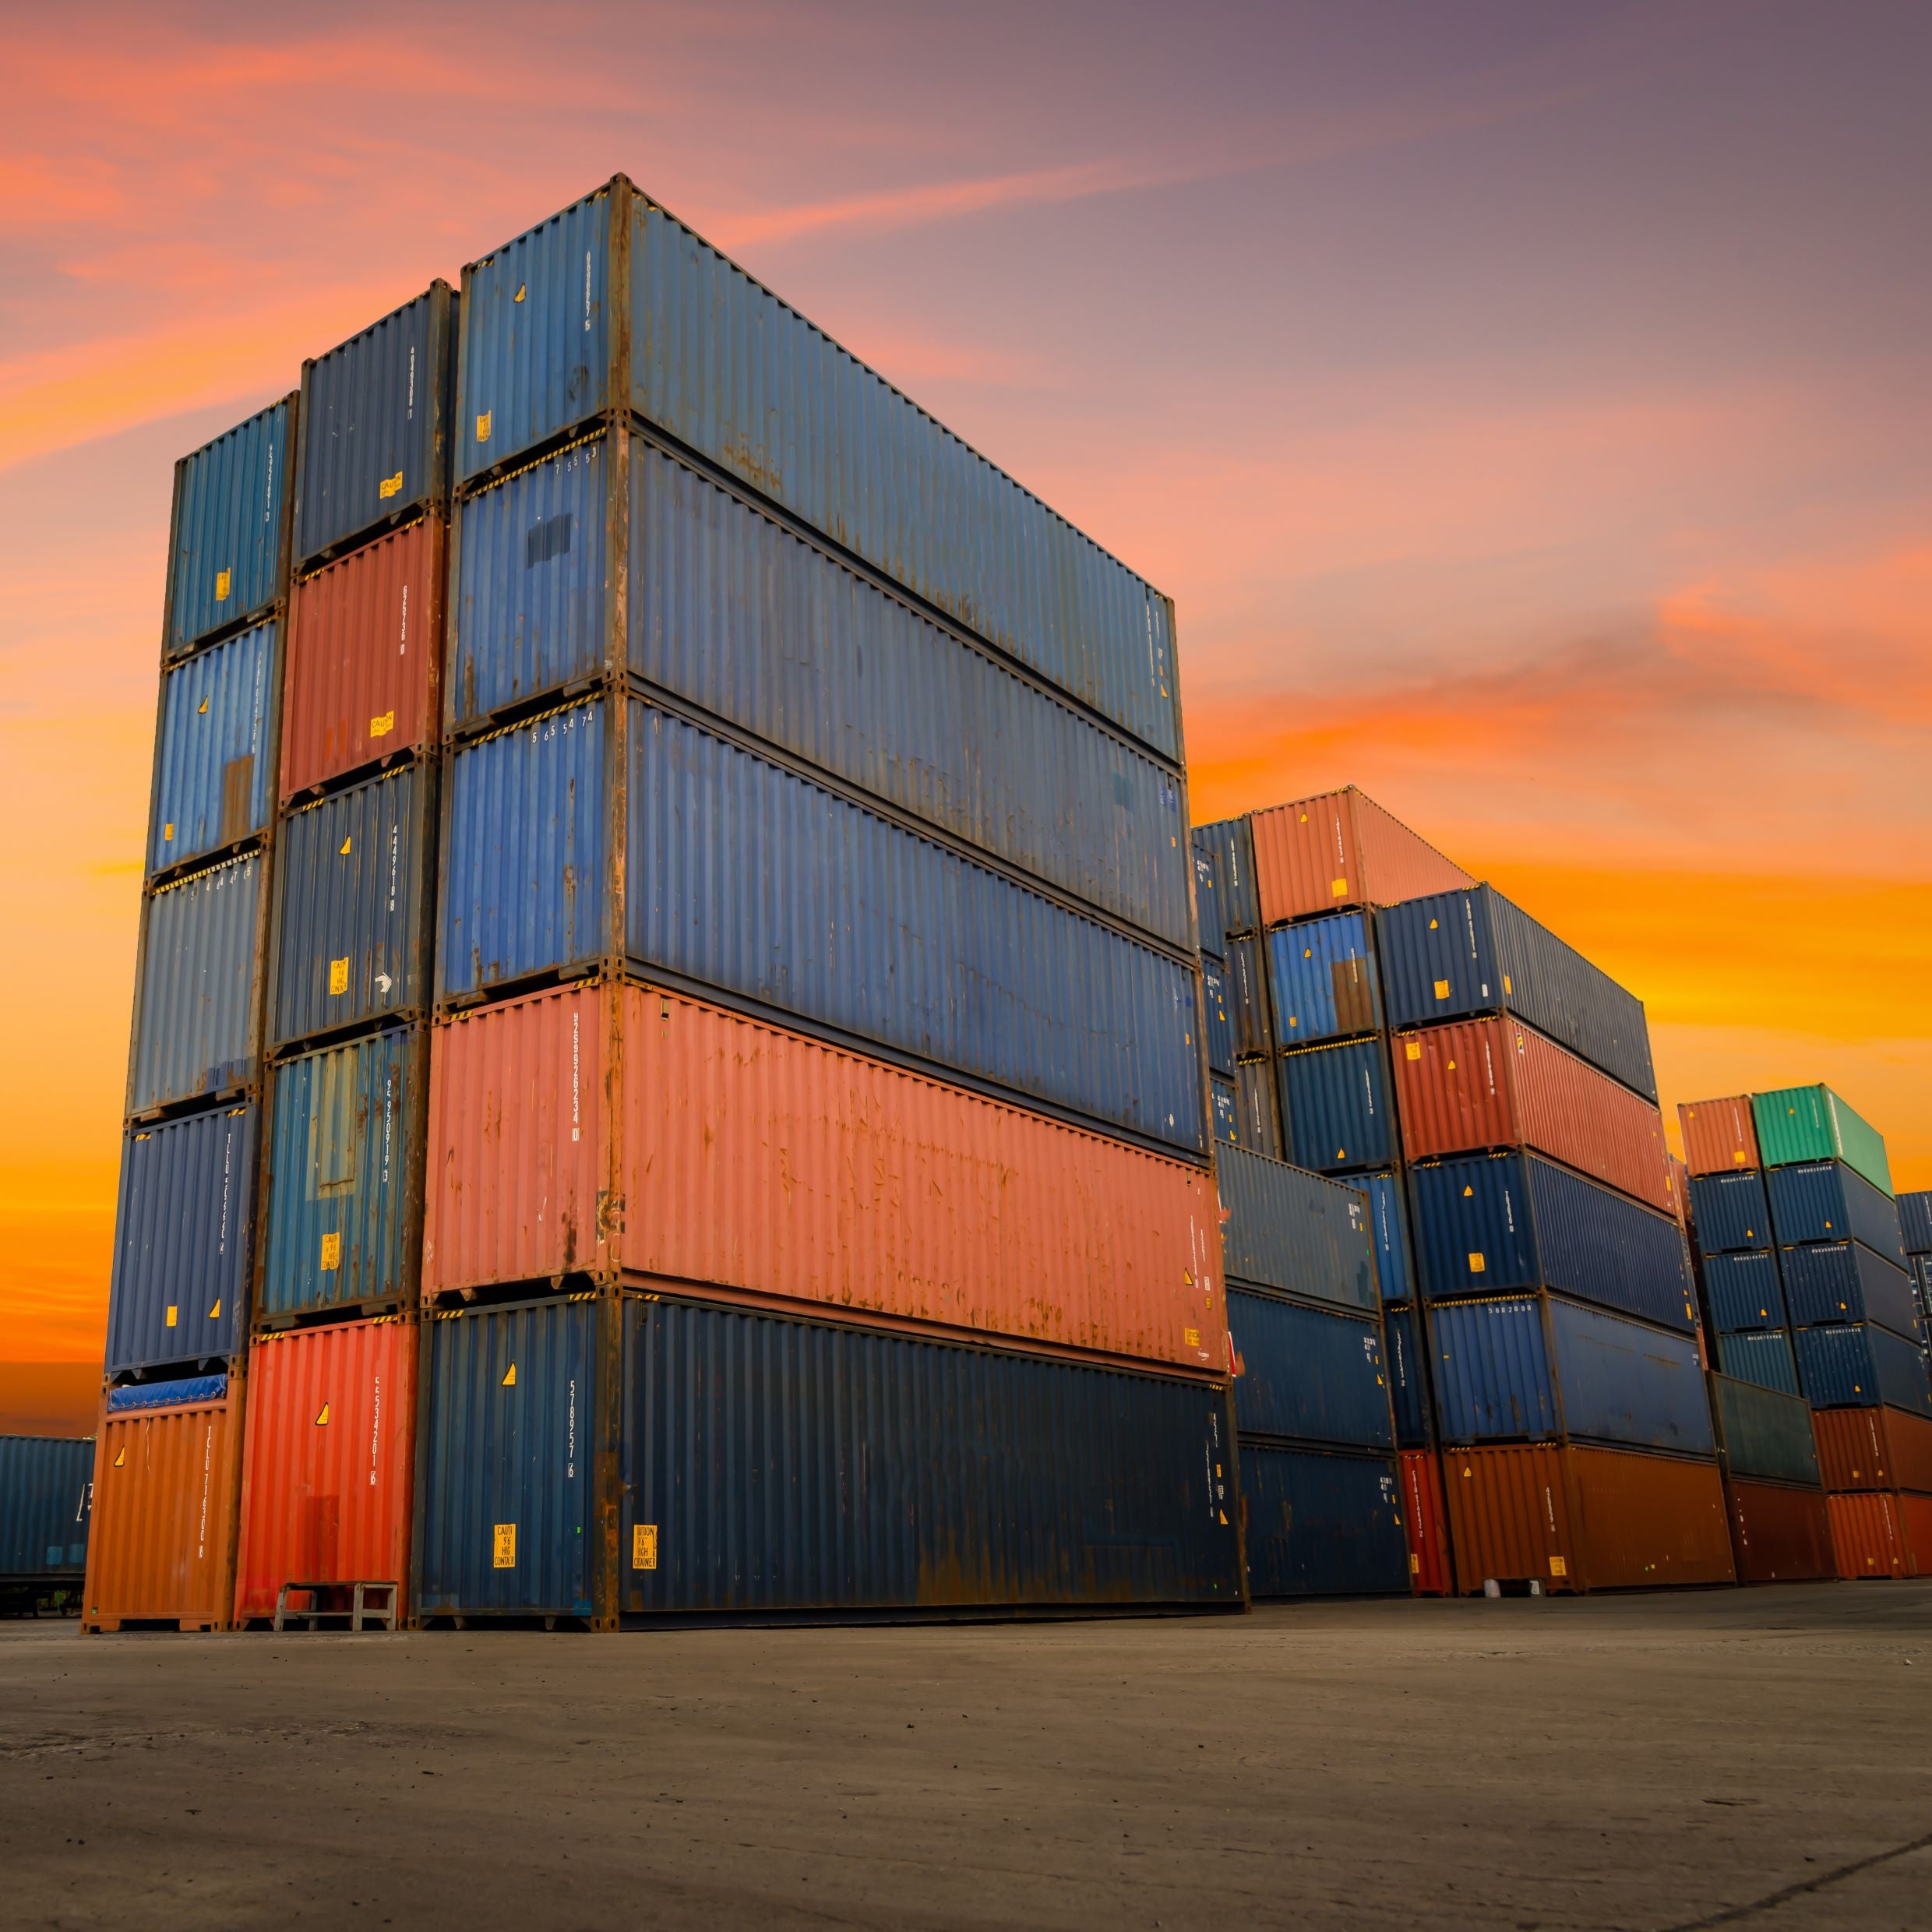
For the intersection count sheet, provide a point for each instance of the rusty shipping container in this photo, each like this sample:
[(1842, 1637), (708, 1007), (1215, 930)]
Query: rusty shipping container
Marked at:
[(1719, 1135), (1873, 1449), (1472, 1085), (1426, 1523), (1341, 849), (1881, 1534), (328, 1463), (751, 1158), (1779, 1534), (229, 548)]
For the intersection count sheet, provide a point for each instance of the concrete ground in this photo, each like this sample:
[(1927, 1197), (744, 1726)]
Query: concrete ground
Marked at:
[(1742, 1757)]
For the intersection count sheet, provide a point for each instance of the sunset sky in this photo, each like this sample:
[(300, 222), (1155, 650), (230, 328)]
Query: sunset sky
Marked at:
[(1527, 406)]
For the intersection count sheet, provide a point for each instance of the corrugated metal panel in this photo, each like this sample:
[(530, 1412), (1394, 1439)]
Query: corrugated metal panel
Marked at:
[(342, 1220), (1914, 1221), (1388, 1221), (746, 877), (506, 1513), (375, 423), (1426, 1523), (1509, 1518), (228, 524), (1295, 1231), (1339, 848), (329, 1462), (46, 1498), (1730, 1212), (1844, 1280), (1505, 1222), (1248, 997), (1213, 932), (1229, 843), (351, 937), (1322, 1524), (1779, 1534), (1257, 1108), (1224, 1111), (196, 1030), (1458, 954), (1827, 1200), (1718, 1134), (1220, 1029), (1853, 1367), (161, 1547), (365, 647), (216, 713), (1321, 980), (1491, 1370), (1409, 1390), (761, 1161), (1880, 1536), (1473, 1085), (182, 1241), (1744, 1291), (1764, 1433), (1871, 1448), (1624, 1382), (1308, 1375), (1763, 1357), (771, 1464), (1335, 1111), (1811, 1124)]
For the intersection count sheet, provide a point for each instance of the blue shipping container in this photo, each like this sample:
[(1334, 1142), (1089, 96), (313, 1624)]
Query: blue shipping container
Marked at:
[(1220, 1032), (1763, 1357), (1225, 1115), (344, 1227), (1744, 1291), (1914, 1221), (1307, 1374), (1247, 997), (228, 496), (1388, 1221), (1322, 1524), (1213, 932), (1922, 1281), (1454, 953), (214, 786), (1408, 1390), (1862, 1367), (1256, 1107), (1322, 979), (47, 1486), (771, 1464), (181, 1241), (1730, 1212), (1335, 1109), (195, 1023), (1844, 1280), (1766, 1433), (1229, 843), (1826, 1200), (1499, 1223), (1295, 1231)]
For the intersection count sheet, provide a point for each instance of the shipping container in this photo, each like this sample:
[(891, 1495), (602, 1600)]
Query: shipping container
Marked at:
[(1247, 995), (773, 1466), (1208, 923), (1308, 1374), (1388, 1224), (1921, 1283), (1779, 1533), (1339, 849), (328, 1464), (721, 367), (1730, 1212), (1220, 1029), (1719, 1135), (365, 658), (1873, 1449), (196, 1005), (229, 546), (212, 781), (376, 431), (161, 1547), (1743, 1292), (1425, 1522), (346, 1177), (182, 1241), (1828, 1200), (1797, 1124), (1296, 1232), (1914, 1221), (1322, 981), (1455, 954), (1229, 843), (1474, 1084), (1321, 1523), (1844, 1280), (1224, 1110), (754, 1159), (1854, 1367), (1764, 1433), (1878, 1534), (1501, 1223), (1335, 1110), (1764, 1357), (1539, 1367), (1403, 1349), (46, 1498), (1257, 1108), (1581, 1519)]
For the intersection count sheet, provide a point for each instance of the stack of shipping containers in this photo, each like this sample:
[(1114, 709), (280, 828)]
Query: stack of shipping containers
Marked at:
[(820, 1208)]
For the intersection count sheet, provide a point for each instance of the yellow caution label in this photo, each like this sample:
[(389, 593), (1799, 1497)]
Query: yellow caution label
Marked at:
[(483, 427), (1191, 1337), (338, 976), (1187, 1277), (322, 1419), (1737, 1159), (509, 1377), (331, 1252), (1308, 952), (503, 1550), (223, 578), (173, 1313), (168, 834), (1415, 1050), (390, 486), (343, 849), (1477, 1265), (1452, 1066), (1468, 1194), (1292, 1023), (1414, 1565), (121, 1461), (519, 295), (201, 709), (1558, 1567), (1339, 887), (1432, 925), (1507, 986), (1442, 989), (214, 1314), (643, 1545)]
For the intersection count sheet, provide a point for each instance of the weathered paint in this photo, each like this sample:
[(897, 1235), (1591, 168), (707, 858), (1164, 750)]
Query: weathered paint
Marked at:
[(1779, 1533), (1322, 1524), (1248, 996), (1426, 1524), (1340, 849), (1856, 1365), (1914, 1221), (1229, 844), (1403, 1348), (1295, 1231), (1311, 1375), (1730, 1212), (1213, 931), (1880, 1536), (1844, 1280), (213, 786), (1763, 1356), (1811, 1124), (46, 1501), (1224, 1111), (1872, 1448), (1764, 1433), (1718, 1135), (1322, 981), (1258, 1109), (230, 528), (1743, 1292), (1388, 1222), (1829, 1200), (1220, 1031), (1335, 1110)]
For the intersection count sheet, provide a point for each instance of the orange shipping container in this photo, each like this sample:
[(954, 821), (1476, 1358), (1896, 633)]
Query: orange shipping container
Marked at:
[(161, 1549), (1873, 1449), (1579, 1519), (1879, 1533), (1426, 1525), (1468, 1085), (1779, 1534), (624, 1131), (1341, 849), (1719, 1135), (327, 1469)]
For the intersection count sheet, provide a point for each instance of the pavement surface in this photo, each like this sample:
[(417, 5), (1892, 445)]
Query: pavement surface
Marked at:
[(1751, 1758)]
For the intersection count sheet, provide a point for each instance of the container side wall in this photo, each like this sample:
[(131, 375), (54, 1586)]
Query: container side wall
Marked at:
[(1873, 1449), (1508, 1517), (1766, 1435), (1425, 1521), (1230, 843), (1321, 980), (1647, 1522), (1208, 912), (1295, 1231), (1730, 1212), (1336, 1115), (1828, 1201), (227, 557), (1322, 1525), (1402, 1346), (1811, 1124), (1492, 1371), (1744, 1292), (46, 1500), (217, 711), (1856, 1367), (1914, 1221), (1339, 848), (1248, 997), (1220, 1027), (1258, 1109), (1625, 1382), (1844, 1280), (1388, 1221), (1308, 1375), (1719, 1135), (1779, 1534), (1764, 1358)]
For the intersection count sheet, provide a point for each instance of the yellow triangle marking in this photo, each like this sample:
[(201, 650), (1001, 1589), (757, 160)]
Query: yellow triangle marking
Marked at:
[(509, 1381), (121, 1461), (201, 709), (346, 844), (321, 1420), (214, 1314)]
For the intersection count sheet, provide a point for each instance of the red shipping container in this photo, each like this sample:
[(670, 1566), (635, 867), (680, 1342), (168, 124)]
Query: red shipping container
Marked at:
[(1426, 1524), (161, 1546), (746, 1158), (1873, 1449), (1341, 849), (1779, 1534), (1469, 1085), (327, 1469), (1881, 1533), (1719, 1135), (365, 649)]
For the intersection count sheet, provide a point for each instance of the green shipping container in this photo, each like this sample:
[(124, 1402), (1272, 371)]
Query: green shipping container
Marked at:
[(1811, 1124)]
